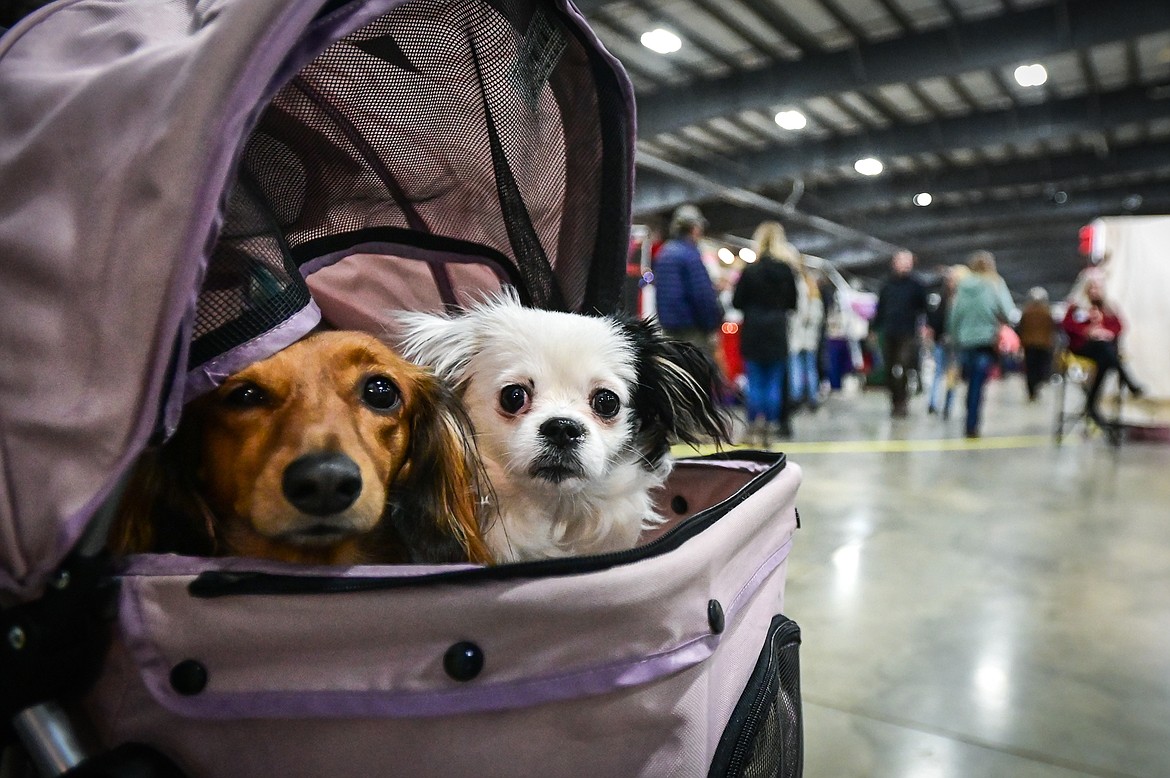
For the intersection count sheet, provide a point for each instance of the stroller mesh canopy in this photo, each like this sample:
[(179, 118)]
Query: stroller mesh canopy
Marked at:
[(453, 118)]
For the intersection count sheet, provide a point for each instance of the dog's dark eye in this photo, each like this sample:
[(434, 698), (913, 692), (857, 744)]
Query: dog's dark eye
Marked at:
[(605, 403), (513, 398), (380, 392), (245, 395)]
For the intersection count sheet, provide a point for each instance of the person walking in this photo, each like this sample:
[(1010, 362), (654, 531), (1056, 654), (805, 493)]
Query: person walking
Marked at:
[(687, 304), (942, 388), (1037, 331), (804, 339), (838, 350), (766, 293), (981, 306), (901, 302)]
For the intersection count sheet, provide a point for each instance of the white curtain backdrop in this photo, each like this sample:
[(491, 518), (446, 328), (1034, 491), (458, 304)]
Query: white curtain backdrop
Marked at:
[(1137, 282)]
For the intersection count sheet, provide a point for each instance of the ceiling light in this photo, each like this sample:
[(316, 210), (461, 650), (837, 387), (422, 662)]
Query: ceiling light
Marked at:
[(923, 199), (725, 255), (662, 41), (791, 120), (747, 255), (1031, 75), (868, 166)]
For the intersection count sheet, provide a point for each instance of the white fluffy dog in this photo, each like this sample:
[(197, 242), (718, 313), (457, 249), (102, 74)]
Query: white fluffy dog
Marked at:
[(574, 416)]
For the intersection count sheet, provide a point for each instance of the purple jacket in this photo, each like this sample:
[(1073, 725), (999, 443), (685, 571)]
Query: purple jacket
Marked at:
[(684, 294)]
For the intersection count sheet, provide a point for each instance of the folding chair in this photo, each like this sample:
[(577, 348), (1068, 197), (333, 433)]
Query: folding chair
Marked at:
[(1078, 371)]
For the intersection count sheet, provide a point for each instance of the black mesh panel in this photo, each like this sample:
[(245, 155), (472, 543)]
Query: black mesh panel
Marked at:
[(251, 285), (764, 737), (439, 118), (475, 121)]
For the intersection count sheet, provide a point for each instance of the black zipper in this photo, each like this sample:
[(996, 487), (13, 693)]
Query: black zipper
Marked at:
[(764, 694), (222, 583)]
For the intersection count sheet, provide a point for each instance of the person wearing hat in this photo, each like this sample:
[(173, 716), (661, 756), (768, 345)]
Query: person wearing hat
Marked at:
[(688, 307), (1037, 331)]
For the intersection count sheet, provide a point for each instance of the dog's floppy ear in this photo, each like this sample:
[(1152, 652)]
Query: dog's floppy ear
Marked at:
[(436, 504), (675, 399), (161, 510)]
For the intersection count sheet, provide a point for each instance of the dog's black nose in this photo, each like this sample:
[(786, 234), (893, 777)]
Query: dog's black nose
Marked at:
[(562, 432), (322, 484)]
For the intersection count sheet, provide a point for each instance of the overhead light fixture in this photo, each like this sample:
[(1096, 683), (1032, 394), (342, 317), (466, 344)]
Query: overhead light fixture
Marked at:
[(791, 120), (747, 255), (1031, 75), (923, 199), (868, 166), (662, 41), (725, 255)]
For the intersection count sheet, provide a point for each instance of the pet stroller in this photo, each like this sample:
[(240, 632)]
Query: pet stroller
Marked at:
[(189, 187)]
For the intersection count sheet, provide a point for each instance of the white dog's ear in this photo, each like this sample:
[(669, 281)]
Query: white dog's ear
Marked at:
[(441, 341)]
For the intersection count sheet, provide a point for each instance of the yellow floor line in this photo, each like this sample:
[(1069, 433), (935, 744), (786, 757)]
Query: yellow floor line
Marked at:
[(889, 446)]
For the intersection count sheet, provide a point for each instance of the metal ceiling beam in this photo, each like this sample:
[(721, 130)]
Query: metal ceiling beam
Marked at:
[(917, 234), (783, 22), (1050, 119), (866, 195), (912, 227), (1064, 239), (997, 41), (769, 208), (919, 228), (1090, 205), (1022, 268), (942, 230), (751, 35)]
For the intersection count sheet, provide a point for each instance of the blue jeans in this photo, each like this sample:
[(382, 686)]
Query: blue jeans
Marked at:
[(765, 389), (802, 367), (976, 364), (940, 395), (840, 360)]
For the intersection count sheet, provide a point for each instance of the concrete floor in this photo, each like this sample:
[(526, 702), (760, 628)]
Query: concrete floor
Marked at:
[(975, 609)]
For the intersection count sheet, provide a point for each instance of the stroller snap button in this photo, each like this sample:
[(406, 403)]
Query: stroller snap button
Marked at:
[(715, 616), (463, 661), (188, 677)]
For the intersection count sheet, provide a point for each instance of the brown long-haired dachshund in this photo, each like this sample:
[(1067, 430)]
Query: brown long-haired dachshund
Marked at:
[(334, 451)]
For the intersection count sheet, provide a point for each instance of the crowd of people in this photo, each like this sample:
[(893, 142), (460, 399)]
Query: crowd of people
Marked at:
[(794, 346)]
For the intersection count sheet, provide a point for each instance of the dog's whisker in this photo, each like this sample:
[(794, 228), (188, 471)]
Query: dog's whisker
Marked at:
[(630, 448)]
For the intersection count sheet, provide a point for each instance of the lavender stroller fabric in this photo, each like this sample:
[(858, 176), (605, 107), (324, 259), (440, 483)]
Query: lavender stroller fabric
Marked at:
[(189, 187), (629, 669)]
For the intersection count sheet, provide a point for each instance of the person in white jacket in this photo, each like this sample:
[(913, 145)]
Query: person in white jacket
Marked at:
[(804, 340)]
